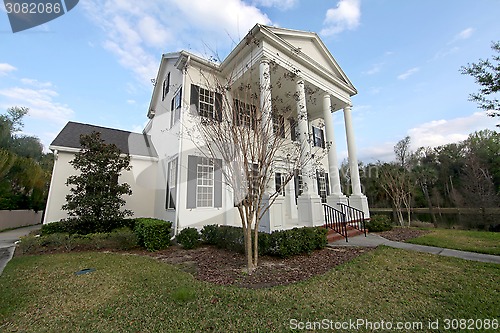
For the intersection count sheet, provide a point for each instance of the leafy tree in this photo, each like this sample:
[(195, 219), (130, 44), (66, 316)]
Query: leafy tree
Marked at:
[(95, 198), (486, 73), (24, 168)]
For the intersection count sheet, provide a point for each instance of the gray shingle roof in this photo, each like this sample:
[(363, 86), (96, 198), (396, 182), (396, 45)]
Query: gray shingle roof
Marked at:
[(128, 142)]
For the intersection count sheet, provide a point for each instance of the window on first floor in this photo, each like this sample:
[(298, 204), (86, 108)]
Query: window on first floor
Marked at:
[(171, 184), (299, 186), (205, 183), (204, 187), (279, 181), (323, 185)]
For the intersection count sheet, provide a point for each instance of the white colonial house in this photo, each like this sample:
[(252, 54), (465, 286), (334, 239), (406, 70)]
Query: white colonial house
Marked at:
[(171, 180)]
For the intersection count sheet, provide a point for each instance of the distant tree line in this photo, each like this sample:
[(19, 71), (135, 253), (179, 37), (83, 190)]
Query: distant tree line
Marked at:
[(25, 170), (464, 175)]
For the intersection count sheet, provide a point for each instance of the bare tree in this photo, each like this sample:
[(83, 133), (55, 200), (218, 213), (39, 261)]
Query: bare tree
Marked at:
[(398, 184), (247, 134), (403, 152)]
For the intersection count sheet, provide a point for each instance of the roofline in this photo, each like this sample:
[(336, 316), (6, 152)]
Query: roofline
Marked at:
[(77, 150)]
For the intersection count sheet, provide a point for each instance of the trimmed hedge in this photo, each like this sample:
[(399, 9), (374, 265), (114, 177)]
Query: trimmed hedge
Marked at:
[(283, 243), (189, 238), (379, 223), (153, 234), (121, 239)]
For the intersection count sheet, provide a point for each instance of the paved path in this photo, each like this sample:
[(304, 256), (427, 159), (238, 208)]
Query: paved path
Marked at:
[(374, 240), (8, 240)]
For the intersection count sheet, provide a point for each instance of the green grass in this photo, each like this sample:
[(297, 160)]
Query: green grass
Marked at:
[(466, 240), (130, 293)]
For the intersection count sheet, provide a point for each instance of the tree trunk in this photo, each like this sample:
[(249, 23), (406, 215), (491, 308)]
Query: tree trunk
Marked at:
[(256, 246)]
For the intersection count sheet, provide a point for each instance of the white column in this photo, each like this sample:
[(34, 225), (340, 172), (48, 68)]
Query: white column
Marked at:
[(303, 136), (357, 199), (308, 203), (265, 94), (351, 151), (333, 168)]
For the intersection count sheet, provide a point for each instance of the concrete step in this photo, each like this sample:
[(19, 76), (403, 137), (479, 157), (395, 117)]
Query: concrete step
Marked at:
[(333, 236)]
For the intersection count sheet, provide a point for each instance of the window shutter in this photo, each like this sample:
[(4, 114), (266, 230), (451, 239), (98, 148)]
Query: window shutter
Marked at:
[(236, 112), (218, 106), (318, 182), (217, 183), (293, 125), (327, 181), (174, 186), (195, 99), (167, 87), (172, 104), (192, 180), (296, 181), (322, 133), (167, 189)]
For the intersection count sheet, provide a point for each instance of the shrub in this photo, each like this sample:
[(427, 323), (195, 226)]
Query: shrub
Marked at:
[(122, 239), (379, 223), (209, 234), (76, 226), (189, 238), (153, 234), (283, 243)]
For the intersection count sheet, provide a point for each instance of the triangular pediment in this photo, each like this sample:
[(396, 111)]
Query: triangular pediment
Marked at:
[(312, 48)]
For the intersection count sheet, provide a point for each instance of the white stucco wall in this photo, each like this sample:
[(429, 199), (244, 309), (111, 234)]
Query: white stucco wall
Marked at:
[(141, 178)]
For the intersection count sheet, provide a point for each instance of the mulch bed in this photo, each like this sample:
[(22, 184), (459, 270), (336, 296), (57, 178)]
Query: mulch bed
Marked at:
[(402, 234), (210, 264)]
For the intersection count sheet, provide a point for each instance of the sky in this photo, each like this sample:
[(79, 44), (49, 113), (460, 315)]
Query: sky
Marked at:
[(95, 63)]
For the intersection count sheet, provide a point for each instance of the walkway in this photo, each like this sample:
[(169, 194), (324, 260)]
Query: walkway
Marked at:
[(374, 240), (8, 240)]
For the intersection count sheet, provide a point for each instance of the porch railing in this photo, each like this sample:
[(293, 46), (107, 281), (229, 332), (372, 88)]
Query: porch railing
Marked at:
[(354, 217), (335, 220)]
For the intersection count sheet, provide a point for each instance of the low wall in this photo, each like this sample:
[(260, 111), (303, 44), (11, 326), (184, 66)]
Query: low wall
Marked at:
[(19, 218)]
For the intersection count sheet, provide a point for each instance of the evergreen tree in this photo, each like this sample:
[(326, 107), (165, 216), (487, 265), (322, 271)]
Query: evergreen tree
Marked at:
[(95, 198)]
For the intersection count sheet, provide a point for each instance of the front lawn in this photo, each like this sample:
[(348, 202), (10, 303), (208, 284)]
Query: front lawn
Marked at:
[(129, 293), (465, 240)]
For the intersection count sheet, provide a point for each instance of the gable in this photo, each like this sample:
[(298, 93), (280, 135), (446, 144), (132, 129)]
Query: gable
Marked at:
[(312, 49)]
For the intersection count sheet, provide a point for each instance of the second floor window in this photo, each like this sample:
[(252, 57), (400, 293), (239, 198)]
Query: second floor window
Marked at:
[(176, 107), (207, 103), (279, 125), (245, 114), (319, 137)]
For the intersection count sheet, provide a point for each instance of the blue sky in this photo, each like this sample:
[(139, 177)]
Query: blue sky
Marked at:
[(95, 63)]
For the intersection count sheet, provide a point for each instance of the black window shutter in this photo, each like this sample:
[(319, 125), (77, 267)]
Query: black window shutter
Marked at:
[(163, 90), (296, 181), (167, 189), (318, 182), (236, 112), (195, 99), (218, 106), (167, 87), (327, 181), (322, 138), (172, 104), (217, 183), (174, 186), (192, 181), (293, 125)]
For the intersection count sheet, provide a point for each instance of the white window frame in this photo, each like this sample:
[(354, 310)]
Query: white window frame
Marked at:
[(281, 177), (322, 191), (205, 168), (206, 103)]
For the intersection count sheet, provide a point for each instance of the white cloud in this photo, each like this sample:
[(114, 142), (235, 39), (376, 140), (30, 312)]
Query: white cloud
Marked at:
[(440, 132), (281, 4), (6, 68), (464, 34), (36, 83), (374, 69), (346, 16), (137, 32), (40, 102), (408, 73)]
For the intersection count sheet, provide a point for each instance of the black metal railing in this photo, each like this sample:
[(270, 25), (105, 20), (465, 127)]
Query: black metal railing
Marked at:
[(354, 217), (335, 220)]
